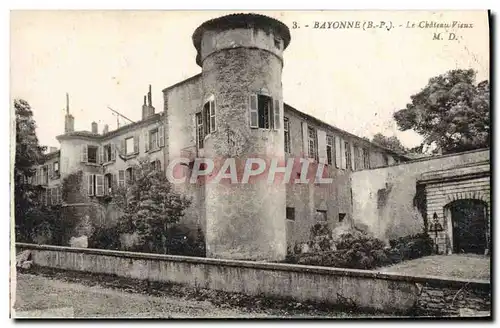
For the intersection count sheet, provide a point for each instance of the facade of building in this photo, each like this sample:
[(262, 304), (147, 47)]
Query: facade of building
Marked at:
[(233, 109)]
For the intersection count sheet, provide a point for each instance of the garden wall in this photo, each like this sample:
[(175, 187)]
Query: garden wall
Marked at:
[(370, 290)]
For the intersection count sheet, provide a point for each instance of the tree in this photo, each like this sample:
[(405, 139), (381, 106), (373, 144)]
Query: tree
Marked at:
[(28, 154), (450, 112), (392, 143), (150, 207)]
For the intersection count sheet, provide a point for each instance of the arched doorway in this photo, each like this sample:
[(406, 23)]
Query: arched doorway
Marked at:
[(468, 225)]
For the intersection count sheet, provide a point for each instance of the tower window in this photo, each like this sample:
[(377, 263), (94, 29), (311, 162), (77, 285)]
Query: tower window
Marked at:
[(290, 213), (209, 115), (264, 112)]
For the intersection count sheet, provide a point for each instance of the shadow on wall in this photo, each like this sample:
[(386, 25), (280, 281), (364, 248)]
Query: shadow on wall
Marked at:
[(388, 206)]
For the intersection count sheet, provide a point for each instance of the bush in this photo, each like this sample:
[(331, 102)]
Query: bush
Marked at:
[(105, 238), (412, 246), (358, 250)]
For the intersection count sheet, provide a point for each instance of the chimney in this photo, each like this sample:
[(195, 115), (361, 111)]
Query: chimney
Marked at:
[(105, 129), (94, 128), (52, 149), (69, 120), (151, 109), (144, 109)]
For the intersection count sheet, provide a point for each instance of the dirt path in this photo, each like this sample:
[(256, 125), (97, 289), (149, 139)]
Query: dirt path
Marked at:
[(41, 296)]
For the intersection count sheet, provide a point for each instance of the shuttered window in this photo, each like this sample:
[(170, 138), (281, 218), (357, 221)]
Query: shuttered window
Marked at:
[(329, 150)]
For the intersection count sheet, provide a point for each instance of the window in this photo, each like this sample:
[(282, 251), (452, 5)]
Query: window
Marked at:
[(313, 143), (95, 185), (290, 213), (108, 183), (209, 116), (366, 158), (92, 154), (108, 153), (130, 175), (156, 165), (341, 217), (347, 155), (321, 215), (121, 178), (286, 128), (200, 134), (56, 168), (129, 146), (264, 113), (153, 139), (329, 149)]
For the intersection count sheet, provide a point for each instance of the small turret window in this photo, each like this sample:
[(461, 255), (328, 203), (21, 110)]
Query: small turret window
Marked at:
[(264, 112), (209, 114)]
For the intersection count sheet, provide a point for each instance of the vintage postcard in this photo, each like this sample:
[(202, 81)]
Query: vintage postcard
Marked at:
[(264, 164)]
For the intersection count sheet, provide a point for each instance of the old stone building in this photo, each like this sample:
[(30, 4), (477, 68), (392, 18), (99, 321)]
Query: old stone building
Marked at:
[(234, 109)]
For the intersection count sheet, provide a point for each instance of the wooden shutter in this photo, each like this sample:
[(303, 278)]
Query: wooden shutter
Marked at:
[(277, 114), (100, 154), (84, 154), (113, 152), (90, 184), (121, 178), (99, 185), (161, 136), (322, 158), (305, 140), (213, 124), (337, 152), (106, 184), (136, 144), (146, 140), (343, 159), (353, 161), (254, 111)]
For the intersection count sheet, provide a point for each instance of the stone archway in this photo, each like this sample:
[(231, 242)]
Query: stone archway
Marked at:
[(467, 226)]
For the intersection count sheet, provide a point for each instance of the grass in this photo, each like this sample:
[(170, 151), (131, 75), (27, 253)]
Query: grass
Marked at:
[(466, 266)]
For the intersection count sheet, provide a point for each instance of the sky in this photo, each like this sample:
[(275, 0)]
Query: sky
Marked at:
[(354, 79)]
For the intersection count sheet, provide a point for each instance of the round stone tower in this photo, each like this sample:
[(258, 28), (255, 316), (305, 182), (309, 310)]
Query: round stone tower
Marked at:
[(241, 57)]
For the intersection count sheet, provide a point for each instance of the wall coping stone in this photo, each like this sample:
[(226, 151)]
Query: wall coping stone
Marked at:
[(432, 280)]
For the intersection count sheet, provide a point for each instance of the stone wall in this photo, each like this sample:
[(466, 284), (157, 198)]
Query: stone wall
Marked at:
[(368, 290), (385, 200), (437, 297)]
